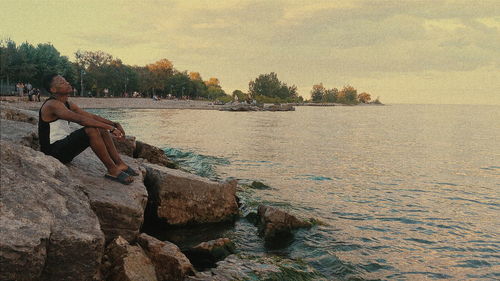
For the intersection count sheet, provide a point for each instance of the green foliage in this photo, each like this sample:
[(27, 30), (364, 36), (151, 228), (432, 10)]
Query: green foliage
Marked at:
[(27, 63), (268, 85), (318, 92), (241, 96)]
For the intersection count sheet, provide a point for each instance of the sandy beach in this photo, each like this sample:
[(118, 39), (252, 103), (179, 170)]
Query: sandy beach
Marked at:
[(135, 103)]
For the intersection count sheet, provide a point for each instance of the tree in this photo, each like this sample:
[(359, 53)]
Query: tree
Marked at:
[(348, 95), (268, 85), (364, 97), (318, 92), (195, 76), (241, 96), (331, 95), (160, 72)]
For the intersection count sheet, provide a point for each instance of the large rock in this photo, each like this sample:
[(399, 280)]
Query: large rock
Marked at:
[(16, 114), (180, 198), (277, 225), (124, 262), (120, 208), (170, 263), (19, 132), (47, 228), (206, 254), (126, 146), (153, 154)]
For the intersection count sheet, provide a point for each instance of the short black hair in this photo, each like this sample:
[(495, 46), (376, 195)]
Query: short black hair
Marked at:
[(47, 80)]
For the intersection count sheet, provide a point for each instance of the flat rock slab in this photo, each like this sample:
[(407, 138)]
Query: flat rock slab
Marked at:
[(19, 132), (48, 230), (179, 197), (119, 207)]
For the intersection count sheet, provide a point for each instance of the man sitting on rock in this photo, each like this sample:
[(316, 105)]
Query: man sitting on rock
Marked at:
[(59, 141)]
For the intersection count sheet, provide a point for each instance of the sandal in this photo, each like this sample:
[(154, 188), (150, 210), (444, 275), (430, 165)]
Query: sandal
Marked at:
[(121, 178), (131, 172)]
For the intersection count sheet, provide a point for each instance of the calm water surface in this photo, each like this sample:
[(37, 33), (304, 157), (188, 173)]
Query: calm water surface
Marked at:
[(409, 192)]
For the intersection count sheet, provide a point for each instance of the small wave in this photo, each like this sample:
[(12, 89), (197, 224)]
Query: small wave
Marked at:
[(313, 178), (202, 165)]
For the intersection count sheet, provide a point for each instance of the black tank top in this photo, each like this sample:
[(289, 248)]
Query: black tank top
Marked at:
[(44, 128)]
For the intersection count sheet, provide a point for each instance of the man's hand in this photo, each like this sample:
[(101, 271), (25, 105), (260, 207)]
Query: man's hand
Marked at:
[(119, 127), (118, 134)]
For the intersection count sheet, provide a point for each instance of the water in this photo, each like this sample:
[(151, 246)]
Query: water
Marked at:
[(408, 192)]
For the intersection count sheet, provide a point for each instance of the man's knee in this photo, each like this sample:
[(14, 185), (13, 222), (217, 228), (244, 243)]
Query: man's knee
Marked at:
[(92, 132)]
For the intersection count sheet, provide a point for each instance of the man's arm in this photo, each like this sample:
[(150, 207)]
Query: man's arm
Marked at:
[(78, 110), (60, 111)]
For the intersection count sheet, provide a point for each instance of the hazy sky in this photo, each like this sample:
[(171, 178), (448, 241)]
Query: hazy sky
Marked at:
[(431, 51)]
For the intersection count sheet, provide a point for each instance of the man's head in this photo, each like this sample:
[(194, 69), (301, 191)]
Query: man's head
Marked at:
[(56, 84)]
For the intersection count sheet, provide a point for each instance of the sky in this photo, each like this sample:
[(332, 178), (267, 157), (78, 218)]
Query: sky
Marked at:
[(403, 51)]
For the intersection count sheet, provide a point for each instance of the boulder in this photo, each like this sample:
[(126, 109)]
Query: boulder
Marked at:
[(276, 225), (126, 146), (20, 115), (206, 254), (48, 230), (120, 208), (124, 262), (19, 132), (178, 197), (153, 154), (170, 263)]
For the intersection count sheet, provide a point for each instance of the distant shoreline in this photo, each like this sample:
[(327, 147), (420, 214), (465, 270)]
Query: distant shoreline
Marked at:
[(139, 103)]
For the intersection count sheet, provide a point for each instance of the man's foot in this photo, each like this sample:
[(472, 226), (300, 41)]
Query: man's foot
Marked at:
[(124, 168), (122, 177)]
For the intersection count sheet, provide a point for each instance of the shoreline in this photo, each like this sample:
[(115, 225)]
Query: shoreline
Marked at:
[(136, 103)]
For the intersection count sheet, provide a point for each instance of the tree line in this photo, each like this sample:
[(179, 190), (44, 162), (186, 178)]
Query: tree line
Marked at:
[(94, 71), (348, 95)]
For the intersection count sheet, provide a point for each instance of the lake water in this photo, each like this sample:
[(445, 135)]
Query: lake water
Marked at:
[(408, 192)]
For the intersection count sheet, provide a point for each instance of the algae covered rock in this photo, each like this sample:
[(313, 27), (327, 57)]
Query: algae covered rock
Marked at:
[(170, 263), (178, 198), (48, 230), (153, 154), (276, 225), (206, 254)]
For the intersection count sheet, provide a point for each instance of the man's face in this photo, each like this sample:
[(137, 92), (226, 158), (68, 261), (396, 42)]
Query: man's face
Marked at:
[(59, 85)]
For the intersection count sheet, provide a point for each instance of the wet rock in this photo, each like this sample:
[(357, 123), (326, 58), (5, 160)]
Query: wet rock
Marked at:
[(179, 198), (48, 230), (17, 114), (19, 132), (279, 107), (153, 154), (240, 107), (276, 225), (125, 262), (126, 146), (120, 208), (170, 263), (259, 185), (206, 254)]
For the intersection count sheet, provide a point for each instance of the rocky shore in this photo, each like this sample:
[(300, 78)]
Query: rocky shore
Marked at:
[(67, 222)]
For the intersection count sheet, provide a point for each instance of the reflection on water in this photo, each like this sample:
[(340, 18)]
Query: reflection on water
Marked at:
[(408, 191)]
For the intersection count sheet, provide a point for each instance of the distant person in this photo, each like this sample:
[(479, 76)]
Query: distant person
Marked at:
[(20, 89), (58, 140)]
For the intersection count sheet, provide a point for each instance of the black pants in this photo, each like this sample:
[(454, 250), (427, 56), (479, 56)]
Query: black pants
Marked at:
[(69, 147)]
